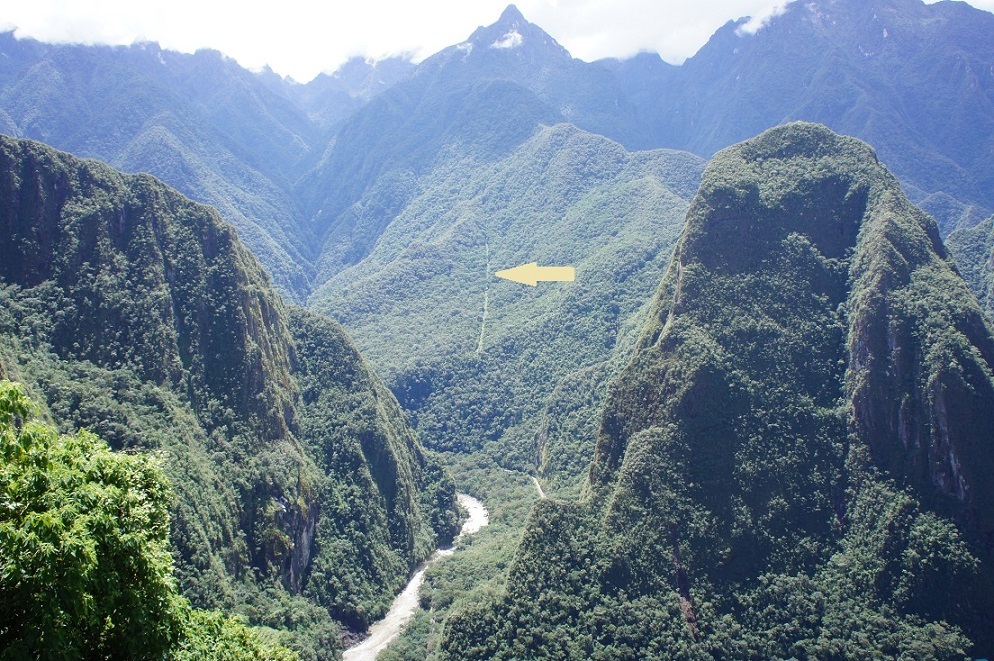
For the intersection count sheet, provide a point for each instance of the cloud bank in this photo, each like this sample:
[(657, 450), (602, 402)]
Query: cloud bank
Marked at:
[(301, 39)]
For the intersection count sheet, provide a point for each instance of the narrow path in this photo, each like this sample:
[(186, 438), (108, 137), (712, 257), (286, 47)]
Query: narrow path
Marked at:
[(486, 301), (382, 633), (538, 487)]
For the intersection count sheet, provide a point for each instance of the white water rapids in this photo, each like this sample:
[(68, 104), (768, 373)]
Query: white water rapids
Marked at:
[(402, 609)]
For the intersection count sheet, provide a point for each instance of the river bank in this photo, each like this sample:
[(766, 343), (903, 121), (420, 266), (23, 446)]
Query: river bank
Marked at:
[(383, 632)]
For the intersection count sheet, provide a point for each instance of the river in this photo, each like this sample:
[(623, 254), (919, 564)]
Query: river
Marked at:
[(402, 609)]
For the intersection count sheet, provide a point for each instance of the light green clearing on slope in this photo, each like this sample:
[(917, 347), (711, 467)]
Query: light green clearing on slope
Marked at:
[(486, 300)]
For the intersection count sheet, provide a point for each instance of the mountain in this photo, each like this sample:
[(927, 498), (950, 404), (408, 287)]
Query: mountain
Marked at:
[(306, 172), (910, 78), (331, 98), (475, 359), (465, 168), (200, 122), (792, 463), (481, 99), (303, 498), (479, 105)]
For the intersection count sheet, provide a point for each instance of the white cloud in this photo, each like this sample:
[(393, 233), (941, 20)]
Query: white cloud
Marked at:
[(302, 38), (758, 21), (512, 39), (676, 29)]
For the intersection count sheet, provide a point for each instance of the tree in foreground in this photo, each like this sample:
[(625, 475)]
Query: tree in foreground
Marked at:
[(85, 569)]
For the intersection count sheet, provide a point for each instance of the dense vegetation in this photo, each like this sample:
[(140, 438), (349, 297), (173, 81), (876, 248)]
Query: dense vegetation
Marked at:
[(302, 497), (456, 176), (788, 467), (792, 463), (85, 570), (376, 193), (973, 248), (482, 362)]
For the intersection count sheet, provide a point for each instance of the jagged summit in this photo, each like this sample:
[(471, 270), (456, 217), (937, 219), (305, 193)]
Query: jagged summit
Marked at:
[(513, 33), (511, 15)]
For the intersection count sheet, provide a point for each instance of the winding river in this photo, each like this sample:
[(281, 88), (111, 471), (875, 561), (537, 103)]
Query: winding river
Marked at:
[(402, 609)]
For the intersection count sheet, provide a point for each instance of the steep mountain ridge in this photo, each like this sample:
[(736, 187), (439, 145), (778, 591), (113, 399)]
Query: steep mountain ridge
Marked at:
[(213, 130), (910, 78), (516, 50), (133, 311), (895, 380), (791, 463)]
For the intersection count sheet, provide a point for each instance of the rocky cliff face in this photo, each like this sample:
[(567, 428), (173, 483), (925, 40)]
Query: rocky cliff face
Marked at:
[(135, 311), (148, 279), (808, 411)]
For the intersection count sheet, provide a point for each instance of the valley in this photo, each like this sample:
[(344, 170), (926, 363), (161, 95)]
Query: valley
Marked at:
[(383, 632), (754, 421)]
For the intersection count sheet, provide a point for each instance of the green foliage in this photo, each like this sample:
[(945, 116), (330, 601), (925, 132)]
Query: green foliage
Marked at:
[(361, 441), (85, 569), (86, 566), (211, 635), (972, 249), (481, 362)]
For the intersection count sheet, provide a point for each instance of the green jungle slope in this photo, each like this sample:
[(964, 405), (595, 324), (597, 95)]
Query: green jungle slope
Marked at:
[(973, 248), (303, 498), (484, 362), (794, 462)]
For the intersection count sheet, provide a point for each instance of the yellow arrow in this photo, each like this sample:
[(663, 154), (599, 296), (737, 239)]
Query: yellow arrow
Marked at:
[(531, 274)]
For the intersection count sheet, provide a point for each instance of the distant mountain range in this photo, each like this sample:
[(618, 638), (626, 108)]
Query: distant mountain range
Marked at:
[(912, 79)]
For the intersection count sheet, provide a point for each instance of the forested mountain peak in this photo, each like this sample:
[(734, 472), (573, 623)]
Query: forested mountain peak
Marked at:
[(127, 309), (807, 412), (803, 181), (880, 261)]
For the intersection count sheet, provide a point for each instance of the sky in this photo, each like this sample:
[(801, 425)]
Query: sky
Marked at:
[(302, 38)]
